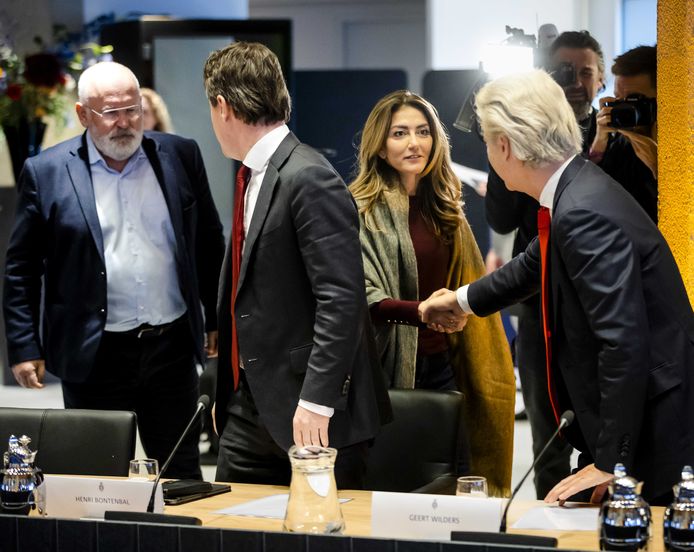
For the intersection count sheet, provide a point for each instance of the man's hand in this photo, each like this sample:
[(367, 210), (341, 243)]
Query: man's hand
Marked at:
[(588, 477), (603, 128), (310, 428), (446, 322), (30, 374), (645, 148), (211, 344), (442, 313), (492, 261), (214, 418)]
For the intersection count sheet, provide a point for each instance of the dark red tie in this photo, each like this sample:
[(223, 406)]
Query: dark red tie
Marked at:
[(543, 224), (237, 236)]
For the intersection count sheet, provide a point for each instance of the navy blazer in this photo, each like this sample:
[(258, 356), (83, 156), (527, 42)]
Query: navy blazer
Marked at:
[(622, 327), (57, 237), (302, 320)]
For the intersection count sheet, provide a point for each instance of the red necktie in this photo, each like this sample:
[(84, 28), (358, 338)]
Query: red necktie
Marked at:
[(237, 236), (543, 225)]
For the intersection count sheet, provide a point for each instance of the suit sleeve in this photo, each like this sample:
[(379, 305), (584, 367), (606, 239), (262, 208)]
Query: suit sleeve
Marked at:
[(209, 243), (327, 230), (513, 283), (23, 271), (604, 266)]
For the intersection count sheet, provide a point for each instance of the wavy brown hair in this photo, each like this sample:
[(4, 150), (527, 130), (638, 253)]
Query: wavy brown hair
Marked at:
[(439, 188)]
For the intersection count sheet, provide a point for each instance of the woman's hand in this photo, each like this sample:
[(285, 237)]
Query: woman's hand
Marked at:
[(441, 312)]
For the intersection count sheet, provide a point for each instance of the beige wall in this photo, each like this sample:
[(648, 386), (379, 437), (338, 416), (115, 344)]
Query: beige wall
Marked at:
[(676, 132)]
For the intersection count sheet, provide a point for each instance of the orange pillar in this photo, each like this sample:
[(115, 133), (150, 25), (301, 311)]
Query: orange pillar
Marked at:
[(676, 132)]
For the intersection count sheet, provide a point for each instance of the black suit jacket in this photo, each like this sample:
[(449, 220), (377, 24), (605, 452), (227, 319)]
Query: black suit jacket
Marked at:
[(622, 327), (57, 236), (302, 320), (621, 163)]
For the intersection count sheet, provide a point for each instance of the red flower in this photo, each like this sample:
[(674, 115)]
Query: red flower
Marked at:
[(14, 92), (43, 70)]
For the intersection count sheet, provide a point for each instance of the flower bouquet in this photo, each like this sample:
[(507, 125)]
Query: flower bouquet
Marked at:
[(36, 86)]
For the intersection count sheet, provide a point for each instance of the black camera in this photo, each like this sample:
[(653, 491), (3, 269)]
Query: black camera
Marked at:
[(564, 73), (633, 111), (519, 38)]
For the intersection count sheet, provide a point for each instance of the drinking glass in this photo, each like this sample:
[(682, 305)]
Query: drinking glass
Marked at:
[(472, 486), (143, 468)]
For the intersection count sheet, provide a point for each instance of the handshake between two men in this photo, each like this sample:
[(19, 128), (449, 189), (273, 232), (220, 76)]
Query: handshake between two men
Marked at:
[(442, 313)]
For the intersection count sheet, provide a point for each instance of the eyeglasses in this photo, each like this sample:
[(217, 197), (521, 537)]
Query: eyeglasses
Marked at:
[(112, 115)]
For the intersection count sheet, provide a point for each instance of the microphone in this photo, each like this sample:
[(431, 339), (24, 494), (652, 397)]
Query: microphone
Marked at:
[(149, 516), (566, 419)]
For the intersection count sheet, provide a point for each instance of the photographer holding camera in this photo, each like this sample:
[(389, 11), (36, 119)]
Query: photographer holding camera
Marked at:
[(624, 145), (576, 62)]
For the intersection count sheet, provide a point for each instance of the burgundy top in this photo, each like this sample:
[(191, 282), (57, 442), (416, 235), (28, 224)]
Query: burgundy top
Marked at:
[(433, 258)]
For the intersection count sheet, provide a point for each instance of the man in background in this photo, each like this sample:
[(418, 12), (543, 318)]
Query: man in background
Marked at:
[(626, 148), (508, 211), (123, 233), (618, 325), (297, 361)]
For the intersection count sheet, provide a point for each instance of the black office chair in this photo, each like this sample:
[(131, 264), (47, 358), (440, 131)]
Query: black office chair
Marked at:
[(419, 450), (77, 442)]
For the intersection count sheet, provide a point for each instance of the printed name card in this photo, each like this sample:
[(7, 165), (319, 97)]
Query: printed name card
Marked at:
[(424, 516), (80, 497)]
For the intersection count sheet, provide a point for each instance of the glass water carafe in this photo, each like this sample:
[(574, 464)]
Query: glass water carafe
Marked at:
[(313, 506)]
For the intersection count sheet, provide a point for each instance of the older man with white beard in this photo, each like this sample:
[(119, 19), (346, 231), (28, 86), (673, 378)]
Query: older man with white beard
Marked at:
[(115, 252)]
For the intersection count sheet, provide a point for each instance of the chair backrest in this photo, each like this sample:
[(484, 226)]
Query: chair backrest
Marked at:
[(77, 442), (420, 445)]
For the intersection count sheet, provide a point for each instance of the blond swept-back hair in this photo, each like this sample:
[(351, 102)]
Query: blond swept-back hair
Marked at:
[(159, 110), (439, 188), (531, 110)]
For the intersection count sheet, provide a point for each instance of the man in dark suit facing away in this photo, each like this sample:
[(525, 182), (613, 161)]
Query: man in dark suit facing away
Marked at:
[(508, 211), (619, 324), (124, 233), (296, 358)]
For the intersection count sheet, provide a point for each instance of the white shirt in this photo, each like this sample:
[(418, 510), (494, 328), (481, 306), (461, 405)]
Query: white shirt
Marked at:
[(546, 200), (139, 244), (257, 159)]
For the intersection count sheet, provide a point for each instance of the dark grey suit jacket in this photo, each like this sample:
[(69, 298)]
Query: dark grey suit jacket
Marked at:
[(303, 324), (57, 236), (622, 327)]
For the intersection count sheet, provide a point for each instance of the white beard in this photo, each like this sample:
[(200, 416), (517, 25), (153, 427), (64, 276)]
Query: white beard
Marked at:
[(119, 149)]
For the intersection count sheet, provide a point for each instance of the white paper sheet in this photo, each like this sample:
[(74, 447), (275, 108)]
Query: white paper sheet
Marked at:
[(272, 507), (570, 517)]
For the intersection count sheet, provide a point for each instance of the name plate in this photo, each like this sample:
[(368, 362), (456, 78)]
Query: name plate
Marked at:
[(80, 497), (425, 516)]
